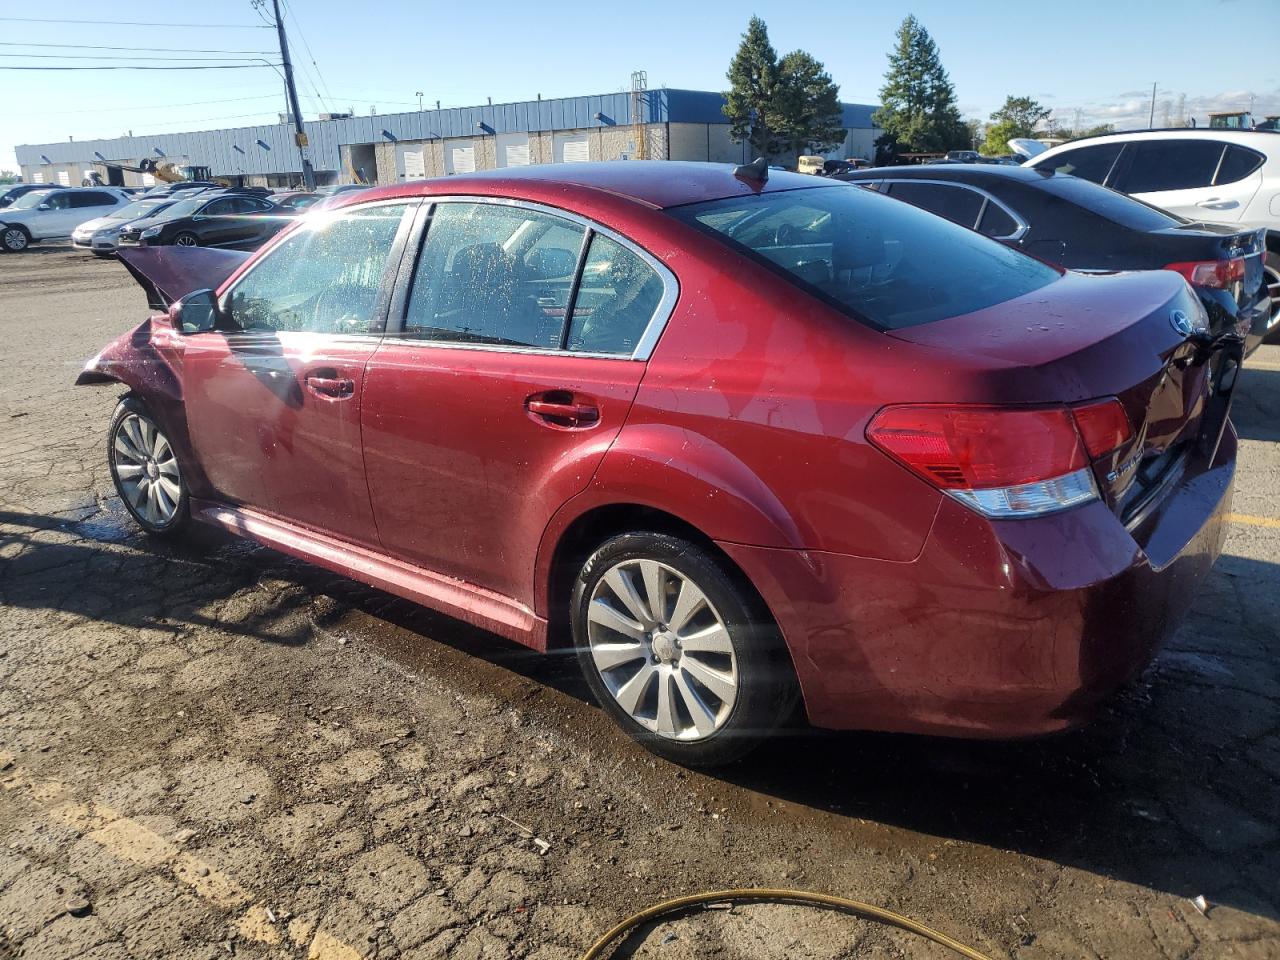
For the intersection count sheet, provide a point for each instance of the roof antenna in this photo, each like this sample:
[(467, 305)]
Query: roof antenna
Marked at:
[(757, 169)]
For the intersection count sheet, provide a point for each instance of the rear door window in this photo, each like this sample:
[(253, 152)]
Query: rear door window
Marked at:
[(885, 263), (1154, 166), (1237, 163), (93, 198), (958, 204), (494, 274), (1092, 163)]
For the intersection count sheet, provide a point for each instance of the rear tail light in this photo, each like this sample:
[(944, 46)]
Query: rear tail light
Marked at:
[(1219, 274), (1003, 461)]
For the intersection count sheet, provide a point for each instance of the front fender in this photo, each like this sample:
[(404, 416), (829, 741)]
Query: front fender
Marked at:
[(133, 360)]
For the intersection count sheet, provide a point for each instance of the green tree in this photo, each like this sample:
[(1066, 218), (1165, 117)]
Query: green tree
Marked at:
[(8, 176), (753, 84), (1017, 118), (918, 111), (805, 112)]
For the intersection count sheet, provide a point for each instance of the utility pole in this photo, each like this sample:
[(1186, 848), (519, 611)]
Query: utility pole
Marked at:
[(299, 135), (1151, 120)]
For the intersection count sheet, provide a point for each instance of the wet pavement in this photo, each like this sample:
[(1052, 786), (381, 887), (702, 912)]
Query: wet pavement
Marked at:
[(210, 750)]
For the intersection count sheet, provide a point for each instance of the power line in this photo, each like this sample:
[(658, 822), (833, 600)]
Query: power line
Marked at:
[(136, 23), (288, 9), (94, 46), (225, 66), (96, 56)]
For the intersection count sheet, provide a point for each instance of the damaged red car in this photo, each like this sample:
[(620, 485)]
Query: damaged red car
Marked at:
[(744, 440)]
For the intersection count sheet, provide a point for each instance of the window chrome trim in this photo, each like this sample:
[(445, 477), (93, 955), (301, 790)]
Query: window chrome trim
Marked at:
[(988, 198), (647, 340)]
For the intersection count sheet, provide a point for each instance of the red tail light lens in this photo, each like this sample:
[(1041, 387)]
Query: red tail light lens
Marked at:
[(1002, 461), (1218, 274), (1103, 425)]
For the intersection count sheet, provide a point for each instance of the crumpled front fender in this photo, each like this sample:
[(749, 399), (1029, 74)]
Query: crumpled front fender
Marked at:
[(133, 360)]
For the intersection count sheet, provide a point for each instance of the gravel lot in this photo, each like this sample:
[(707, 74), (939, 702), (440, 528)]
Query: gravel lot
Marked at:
[(212, 750)]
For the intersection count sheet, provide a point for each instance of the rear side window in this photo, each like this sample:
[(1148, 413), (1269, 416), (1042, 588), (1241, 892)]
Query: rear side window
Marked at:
[(495, 274), (1238, 163), (218, 207), (617, 296), (882, 262), (1092, 163), (1107, 203), (1157, 165), (955, 203), (92, 198), (324, 277), (996, 222)]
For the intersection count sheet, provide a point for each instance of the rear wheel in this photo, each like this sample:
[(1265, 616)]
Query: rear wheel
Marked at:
[(15, 238), (1271, 270), (678, 651), (186, 240), (144, 467)]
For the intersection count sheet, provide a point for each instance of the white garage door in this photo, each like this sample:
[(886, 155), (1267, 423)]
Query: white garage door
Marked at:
[(571, 147), (64, 178), (415, 166), (460, 158), (513, 149)]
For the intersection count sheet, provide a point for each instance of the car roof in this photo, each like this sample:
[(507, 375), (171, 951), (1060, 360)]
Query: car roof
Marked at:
[(1266, 141), (655, 183), (957, 172)]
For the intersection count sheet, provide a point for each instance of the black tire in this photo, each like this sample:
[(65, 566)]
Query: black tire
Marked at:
[(1272, 270), (766, 689), (186, 239), (168, 526), (15, 238)]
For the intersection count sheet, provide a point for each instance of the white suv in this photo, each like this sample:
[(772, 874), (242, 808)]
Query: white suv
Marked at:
[(52, 213), (1214, 175)]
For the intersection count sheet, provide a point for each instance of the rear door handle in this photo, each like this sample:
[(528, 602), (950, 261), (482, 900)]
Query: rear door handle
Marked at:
[(562, 413), (337, 387), (1215, 203)]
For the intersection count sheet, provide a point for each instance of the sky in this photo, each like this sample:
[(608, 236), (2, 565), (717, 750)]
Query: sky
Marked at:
[(1100, 58)]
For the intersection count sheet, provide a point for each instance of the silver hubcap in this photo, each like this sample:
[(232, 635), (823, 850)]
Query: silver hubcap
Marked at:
[(15, 239), (186, 241), (147, 469), (662, 650)]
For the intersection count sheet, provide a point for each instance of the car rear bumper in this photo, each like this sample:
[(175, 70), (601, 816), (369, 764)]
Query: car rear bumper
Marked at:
[(999, 628)]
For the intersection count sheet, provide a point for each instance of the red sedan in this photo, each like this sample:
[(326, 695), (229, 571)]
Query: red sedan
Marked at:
[(740, 437)]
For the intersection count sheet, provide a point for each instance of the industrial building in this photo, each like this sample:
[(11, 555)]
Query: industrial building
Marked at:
[(661, 124)]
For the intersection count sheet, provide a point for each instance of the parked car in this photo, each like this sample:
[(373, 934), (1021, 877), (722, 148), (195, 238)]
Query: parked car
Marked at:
[(164, 189), (295, 201), (227, 219), (1084, 226), (12, 193), (964, 156), (1218, 175), (737, 436), (54, 213), (101, 235)]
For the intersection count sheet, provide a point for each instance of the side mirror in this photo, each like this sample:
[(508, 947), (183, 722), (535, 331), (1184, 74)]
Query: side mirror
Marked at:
[(197, 312), (44, 206)]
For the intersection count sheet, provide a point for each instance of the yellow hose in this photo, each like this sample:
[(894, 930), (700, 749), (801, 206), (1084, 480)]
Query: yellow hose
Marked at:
[(864, 910)]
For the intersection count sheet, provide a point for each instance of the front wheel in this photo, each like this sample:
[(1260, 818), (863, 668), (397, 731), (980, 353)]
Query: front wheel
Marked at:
[(186, 240), (678, 651), (15, 238), (145, 469)]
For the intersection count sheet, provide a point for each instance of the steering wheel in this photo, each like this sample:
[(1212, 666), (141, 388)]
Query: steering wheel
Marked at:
[(343, 308)]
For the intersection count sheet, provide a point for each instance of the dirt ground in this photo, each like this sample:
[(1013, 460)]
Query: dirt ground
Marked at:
[(211, 750)]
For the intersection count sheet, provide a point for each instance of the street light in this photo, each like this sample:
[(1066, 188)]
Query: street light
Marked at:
[(419, 96)]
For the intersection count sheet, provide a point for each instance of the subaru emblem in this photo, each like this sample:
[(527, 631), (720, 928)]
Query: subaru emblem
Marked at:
[(1180, 322)]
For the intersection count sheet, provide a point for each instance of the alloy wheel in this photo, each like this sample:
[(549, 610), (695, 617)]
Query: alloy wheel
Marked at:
[(185, 240), (662, 650), (146, 469), (15, 239), (1271, 277)]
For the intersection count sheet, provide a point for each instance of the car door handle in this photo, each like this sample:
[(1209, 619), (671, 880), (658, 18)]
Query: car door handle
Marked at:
[(562, 412), (1215, 203), (337, 387)]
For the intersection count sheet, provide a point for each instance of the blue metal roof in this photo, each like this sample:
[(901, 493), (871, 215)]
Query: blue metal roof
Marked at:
[(270, 149)]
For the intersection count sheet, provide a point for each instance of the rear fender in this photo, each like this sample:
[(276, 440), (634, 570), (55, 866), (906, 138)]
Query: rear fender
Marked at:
[(683, 474)]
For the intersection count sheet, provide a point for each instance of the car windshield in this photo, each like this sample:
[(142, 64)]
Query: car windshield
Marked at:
[(29, 201), (885, 263), (1107, 203), (139, 208)]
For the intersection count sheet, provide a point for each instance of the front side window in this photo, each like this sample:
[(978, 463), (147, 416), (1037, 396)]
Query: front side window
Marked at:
[(1157, 165), (323, 278), (1092, 163), (493, 273), (882, 262), (59, 201)]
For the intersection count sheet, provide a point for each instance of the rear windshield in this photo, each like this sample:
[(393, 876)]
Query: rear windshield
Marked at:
[(1116, 207), (880, 261)]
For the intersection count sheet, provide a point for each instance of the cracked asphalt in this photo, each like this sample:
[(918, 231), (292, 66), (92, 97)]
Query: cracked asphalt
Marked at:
[(211, 750)]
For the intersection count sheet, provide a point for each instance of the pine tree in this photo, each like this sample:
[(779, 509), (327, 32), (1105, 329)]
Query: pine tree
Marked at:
[(753, 82), (806, 112), (918, 110), (1016, 119)]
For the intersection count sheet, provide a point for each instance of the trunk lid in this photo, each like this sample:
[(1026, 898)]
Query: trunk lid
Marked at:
[(168, 274), (1089, 337)]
